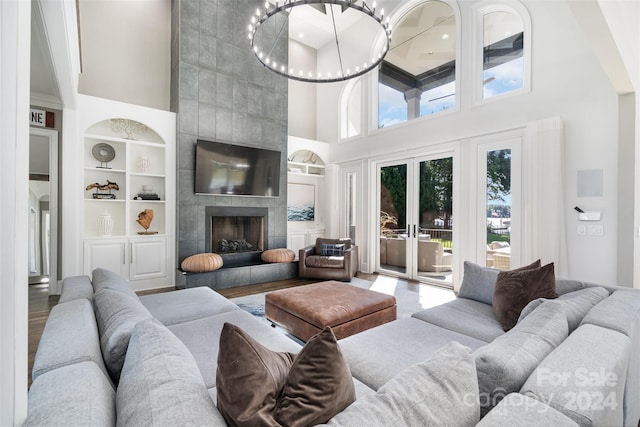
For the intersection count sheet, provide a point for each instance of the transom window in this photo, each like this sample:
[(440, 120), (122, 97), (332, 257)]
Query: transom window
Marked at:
[(417, 77), (502, 53)]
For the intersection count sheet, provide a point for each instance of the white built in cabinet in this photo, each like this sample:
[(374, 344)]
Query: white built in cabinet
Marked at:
[(143, 163), (302, 238)]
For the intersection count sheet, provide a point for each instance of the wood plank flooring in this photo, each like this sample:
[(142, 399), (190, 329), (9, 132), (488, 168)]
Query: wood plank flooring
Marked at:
[(40, 304)]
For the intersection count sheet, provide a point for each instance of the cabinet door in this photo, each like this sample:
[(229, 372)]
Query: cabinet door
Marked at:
[(297, 242), (313, 235), (148, 258), (109, 254)]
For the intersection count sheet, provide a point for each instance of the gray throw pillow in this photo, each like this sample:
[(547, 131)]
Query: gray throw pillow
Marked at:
[(505, 364), (441, 391), (73, 395), (478, 282), (116, 314), (102, 278), (575, 304), (161, 383)]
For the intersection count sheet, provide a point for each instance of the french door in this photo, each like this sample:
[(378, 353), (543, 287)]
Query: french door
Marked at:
[(416, 221)]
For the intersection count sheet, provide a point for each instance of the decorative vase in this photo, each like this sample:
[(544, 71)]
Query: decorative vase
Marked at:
[(144, 164), (105, 224)]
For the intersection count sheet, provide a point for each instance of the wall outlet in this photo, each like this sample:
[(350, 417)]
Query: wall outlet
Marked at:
[(596, 230)]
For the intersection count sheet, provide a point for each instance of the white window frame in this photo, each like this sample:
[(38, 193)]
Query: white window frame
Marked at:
[(480, 10), (514, 143)]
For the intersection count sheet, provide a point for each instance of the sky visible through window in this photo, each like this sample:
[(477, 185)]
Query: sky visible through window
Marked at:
[(392, 108), (503, 78)]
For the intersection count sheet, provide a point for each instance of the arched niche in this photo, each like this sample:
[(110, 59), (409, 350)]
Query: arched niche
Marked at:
[(305, 162)]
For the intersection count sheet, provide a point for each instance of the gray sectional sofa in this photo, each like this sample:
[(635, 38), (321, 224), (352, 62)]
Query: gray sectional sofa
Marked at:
[(573, 360), (109, 357)]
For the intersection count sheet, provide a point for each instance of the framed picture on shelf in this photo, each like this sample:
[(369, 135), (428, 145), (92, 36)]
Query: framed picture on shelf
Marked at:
[(301, 202)]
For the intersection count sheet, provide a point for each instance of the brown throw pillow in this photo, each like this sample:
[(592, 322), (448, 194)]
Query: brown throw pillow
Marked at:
[(319, 385), (516, 288), (249, 378), (260, 387)]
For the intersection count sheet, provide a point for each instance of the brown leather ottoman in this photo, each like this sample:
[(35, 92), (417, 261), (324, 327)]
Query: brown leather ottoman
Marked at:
[(307, 310)]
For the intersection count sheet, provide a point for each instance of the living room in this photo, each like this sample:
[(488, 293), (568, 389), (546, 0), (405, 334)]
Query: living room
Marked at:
[(565, 60)]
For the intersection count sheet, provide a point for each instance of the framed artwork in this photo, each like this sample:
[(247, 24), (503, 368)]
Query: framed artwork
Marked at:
[(301, 202)]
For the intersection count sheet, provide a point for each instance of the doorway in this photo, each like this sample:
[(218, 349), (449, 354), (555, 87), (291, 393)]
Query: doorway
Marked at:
[(43, 208), (416, 218)]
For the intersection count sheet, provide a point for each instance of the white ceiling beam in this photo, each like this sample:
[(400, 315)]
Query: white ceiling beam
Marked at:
[(589, 16), (61, 33)]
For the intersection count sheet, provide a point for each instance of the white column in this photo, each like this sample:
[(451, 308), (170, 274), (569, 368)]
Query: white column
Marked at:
[(15, 47), (412, 96)]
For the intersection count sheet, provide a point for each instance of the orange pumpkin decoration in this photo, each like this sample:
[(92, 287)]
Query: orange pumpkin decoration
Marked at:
[(200, 263)]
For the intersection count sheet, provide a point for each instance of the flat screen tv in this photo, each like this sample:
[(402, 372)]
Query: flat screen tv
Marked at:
[(228, 169)]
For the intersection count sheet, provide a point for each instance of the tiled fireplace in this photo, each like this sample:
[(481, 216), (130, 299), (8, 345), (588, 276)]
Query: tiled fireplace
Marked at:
[(237, 234)]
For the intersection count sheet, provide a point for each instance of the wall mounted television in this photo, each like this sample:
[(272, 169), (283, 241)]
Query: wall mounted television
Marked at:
[(228, 169)]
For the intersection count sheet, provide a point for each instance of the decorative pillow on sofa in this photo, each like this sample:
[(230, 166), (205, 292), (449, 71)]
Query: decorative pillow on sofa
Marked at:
[(319, 384), (332, 249), (161, 383), (479, 282), (116, 315), (516, 288), (249, 378), (504, 365), (256, 386), (101, 278), (441, 391), (575, 304)]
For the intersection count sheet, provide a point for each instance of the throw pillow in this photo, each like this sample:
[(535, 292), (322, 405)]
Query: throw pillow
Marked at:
[(318, 386), (332, 249), (257, 386), (249, 378), (504, 364), (478, 282), (516, 288), (575, 304), (116, 315), (441, 391), (161, 383)]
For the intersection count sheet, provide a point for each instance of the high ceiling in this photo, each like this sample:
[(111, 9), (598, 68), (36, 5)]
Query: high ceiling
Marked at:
[(43, 83)]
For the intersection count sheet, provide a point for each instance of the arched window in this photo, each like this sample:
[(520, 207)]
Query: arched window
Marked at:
[(504, 40), (418, 75), (352, 110)]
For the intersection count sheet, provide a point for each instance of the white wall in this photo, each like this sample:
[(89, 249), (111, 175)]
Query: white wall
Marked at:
[(126, 51), (568, 82), (302, 118), (15, 18)]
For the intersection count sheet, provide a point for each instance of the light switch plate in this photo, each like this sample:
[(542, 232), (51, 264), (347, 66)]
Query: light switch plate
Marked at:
[(596, 230), (589, 216)]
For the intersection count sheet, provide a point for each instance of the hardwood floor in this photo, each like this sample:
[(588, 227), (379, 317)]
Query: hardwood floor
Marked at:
[(40, 303)]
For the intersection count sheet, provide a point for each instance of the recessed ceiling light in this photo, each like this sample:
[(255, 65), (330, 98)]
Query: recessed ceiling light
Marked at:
[(445, 36), (301, 35)]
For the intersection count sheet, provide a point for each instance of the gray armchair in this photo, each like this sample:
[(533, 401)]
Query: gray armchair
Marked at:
[(338, 260)]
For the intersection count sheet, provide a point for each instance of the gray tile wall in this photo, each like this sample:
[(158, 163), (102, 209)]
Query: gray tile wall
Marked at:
[(220, 91)]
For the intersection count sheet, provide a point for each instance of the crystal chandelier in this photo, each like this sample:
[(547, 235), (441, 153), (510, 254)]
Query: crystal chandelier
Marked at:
[(350, 38)]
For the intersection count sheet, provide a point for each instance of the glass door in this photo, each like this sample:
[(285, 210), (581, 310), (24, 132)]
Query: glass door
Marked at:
[(392, 207), (415, 205), (499, 204), (435, 220)]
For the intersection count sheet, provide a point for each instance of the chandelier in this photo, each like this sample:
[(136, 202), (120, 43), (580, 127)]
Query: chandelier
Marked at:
[(349, 38)]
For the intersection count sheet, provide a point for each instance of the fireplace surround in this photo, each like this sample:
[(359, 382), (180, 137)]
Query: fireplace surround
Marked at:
[(237, 234)]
